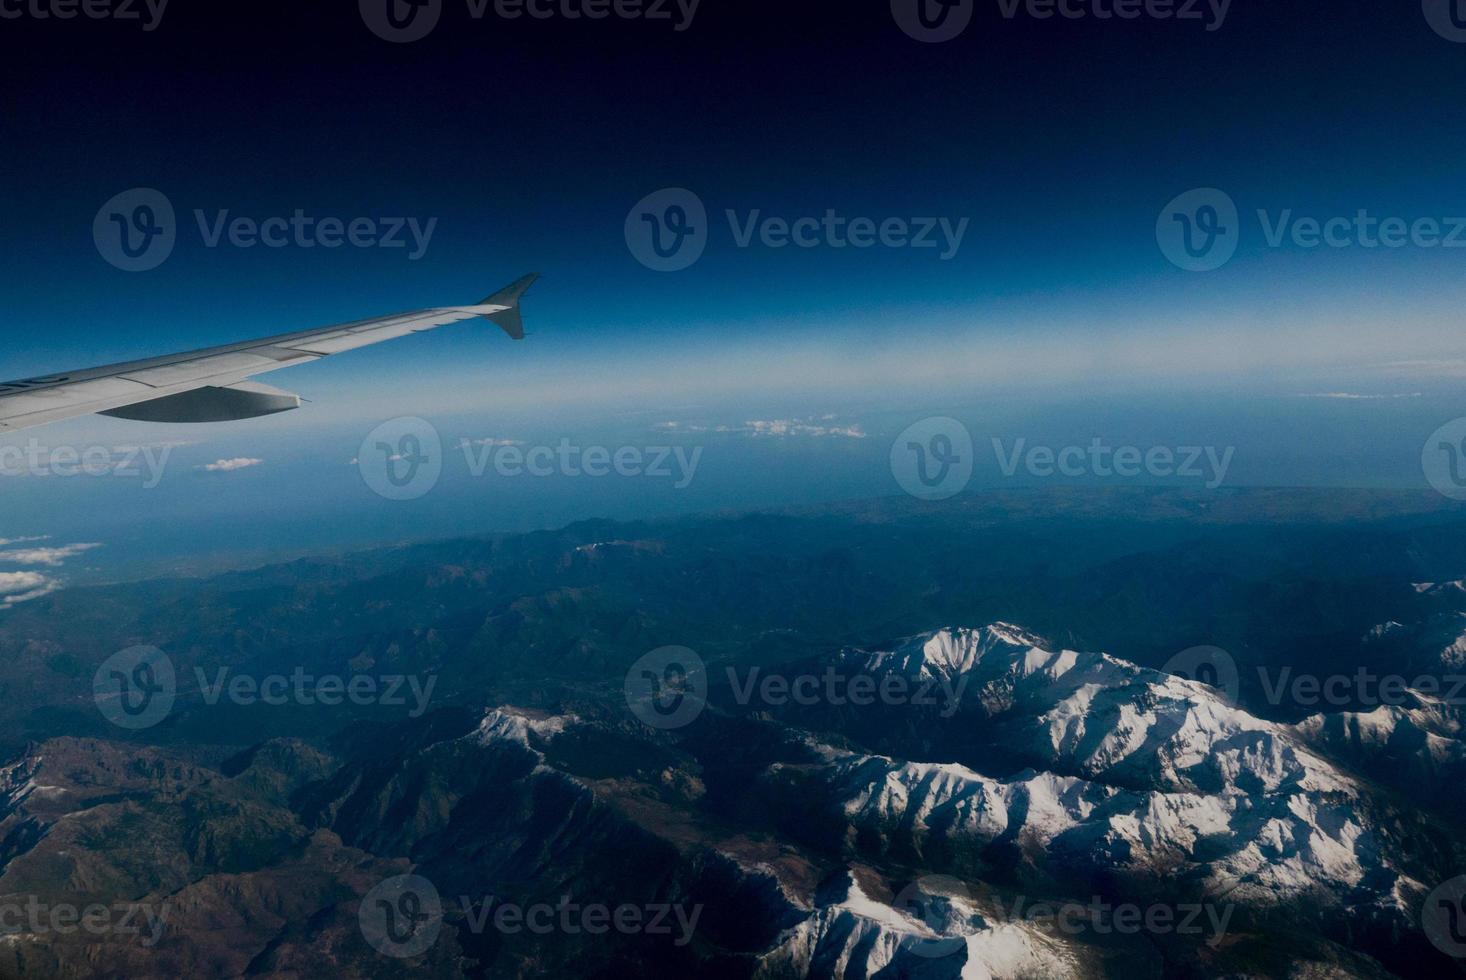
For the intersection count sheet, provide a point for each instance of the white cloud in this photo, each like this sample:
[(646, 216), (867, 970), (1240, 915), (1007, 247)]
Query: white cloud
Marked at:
[(12, 582), (797, 427), (51, 557), (23, 586), (18, 587), (492, 443), (230, 465), (1351, 396), (773, 427)]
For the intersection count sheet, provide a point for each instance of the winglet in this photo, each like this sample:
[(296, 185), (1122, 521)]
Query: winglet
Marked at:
[(508, 297)]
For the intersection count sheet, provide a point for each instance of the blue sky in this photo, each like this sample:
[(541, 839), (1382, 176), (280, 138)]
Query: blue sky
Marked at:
[(1058, 320)]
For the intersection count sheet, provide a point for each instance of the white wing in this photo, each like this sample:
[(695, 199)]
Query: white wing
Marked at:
[(209, 385)]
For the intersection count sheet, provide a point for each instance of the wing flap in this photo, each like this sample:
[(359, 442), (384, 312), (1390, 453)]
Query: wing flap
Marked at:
[(230, 403)]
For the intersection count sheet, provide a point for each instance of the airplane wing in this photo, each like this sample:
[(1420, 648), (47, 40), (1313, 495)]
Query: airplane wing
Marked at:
[(209, 385)]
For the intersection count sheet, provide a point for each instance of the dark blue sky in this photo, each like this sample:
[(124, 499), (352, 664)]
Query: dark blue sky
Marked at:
[(1059, 143), (530, 141)]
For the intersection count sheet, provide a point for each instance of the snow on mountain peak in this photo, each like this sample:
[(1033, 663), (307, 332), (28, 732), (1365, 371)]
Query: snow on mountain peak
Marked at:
[(1132, 768)]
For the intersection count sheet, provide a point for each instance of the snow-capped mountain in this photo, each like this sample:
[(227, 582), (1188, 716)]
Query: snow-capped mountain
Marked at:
[(1134, 776), (933, 929), (1133, 769)]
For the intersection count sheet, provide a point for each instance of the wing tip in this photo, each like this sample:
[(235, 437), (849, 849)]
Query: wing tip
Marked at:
[(509, 319)]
